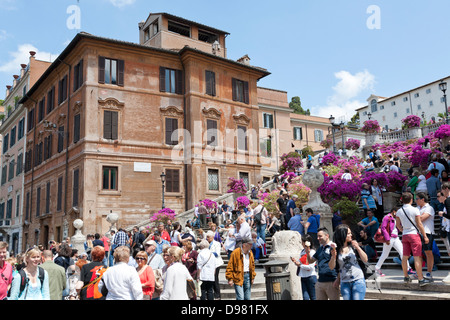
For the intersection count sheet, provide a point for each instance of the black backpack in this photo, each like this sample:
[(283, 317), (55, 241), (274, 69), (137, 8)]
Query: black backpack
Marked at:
[(24, 280)]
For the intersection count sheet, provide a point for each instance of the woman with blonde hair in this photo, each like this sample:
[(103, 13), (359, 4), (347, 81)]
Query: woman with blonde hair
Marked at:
[(31, 283), (176, 276), (146, 275)]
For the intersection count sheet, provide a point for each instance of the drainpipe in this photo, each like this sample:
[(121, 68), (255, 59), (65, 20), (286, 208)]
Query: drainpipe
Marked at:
[(186, 201), (66, 136)]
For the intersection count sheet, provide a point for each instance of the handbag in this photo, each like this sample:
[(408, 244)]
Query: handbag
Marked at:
[(379, 236), (190, 287)]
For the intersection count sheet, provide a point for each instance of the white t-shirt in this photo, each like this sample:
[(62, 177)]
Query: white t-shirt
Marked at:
[(412, 212), (428, 224), (422, 186)]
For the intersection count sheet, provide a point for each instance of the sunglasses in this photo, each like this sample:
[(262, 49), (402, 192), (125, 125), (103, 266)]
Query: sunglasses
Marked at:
[(139, 258)]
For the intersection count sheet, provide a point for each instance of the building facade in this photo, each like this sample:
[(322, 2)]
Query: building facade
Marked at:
[(12, 130), (426, 101), (109, 119)]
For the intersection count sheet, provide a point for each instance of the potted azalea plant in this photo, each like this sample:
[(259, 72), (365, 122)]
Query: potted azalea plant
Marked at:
[(411, 121), (352, 144), (163, 215), (371, 126), (236, 186)]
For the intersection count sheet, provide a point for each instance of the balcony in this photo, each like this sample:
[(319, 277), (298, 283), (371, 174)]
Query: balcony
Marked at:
[(401, 135)]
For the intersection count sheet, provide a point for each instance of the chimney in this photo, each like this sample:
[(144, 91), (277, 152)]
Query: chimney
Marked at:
[(8, 91), (244, 60), (15, 80), (22, 71)]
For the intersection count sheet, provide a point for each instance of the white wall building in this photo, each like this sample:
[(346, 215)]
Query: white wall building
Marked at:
[(426, 101)]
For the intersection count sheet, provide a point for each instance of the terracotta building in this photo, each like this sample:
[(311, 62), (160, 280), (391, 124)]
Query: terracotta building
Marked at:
[(12, 131), (109, 117), (111, 131)]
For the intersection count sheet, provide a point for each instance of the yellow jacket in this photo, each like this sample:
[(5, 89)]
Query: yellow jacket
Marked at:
[(235, 267)]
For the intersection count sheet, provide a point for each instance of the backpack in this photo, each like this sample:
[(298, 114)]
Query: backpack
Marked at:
[(257, 218), (24, 280), (92, 290)]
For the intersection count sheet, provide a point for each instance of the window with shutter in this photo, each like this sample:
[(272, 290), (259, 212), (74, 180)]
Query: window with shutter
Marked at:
[(9, 205), (78, 76), (5, 143), (75, 189), (62, 90), (242, 138), (298, 134), (268, 120), (111, 71), (41, 110), (4, 174), (210, 80), (110, 125), (172, 180), (20, 132), (51, 100), (170, 80), (19, 168), (30, 120), (13, 136), (38, 202), (171, 127), (240, 90), (59, 194), (61, 134), (47, 199), (211, 132), (76, 128)]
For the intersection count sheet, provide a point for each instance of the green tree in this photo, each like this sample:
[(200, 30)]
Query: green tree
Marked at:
[(354, 120), (296, 105)]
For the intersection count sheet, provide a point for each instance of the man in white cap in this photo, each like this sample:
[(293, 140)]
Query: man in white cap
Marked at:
[(155, 260)]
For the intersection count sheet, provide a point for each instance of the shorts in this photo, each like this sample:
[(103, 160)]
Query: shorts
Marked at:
[(428, 246), (412, 244)]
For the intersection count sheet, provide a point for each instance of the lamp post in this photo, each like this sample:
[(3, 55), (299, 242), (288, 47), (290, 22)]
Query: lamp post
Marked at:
[(332, 119), (163, 181), (443, 88), (343, 144)]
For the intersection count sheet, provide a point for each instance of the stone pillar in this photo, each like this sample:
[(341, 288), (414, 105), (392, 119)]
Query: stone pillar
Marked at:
[(78, 239), (313, 179), (287, 244)]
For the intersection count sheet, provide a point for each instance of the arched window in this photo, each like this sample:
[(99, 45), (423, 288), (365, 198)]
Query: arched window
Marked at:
[(373, 106)]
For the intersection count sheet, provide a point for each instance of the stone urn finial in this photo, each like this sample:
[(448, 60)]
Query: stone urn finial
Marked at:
[(78, 239)]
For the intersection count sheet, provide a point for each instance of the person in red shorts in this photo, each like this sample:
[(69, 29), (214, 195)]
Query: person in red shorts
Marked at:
[(409, 223)]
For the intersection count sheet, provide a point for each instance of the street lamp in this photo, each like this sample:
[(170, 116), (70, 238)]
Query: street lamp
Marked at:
[(443, 88), (163, 181), (332, 119), (343, 144)]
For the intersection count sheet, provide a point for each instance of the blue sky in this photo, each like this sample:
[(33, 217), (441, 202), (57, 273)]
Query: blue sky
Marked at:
[(332, 54)]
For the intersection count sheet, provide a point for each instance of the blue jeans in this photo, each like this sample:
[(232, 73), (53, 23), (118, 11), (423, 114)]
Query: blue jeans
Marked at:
[(244, 292), (309, 287), (355, 290), (261, 231)]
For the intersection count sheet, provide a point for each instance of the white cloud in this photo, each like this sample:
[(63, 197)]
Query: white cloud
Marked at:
[(3, 35), (343, 103), (121, 3), (8, 5), (22, 55)]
